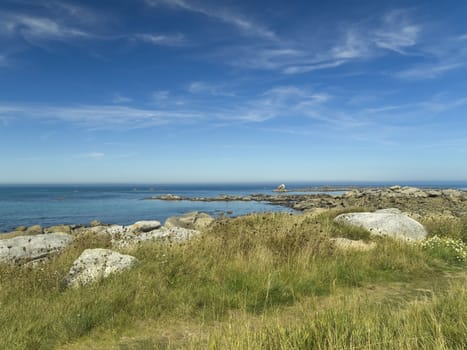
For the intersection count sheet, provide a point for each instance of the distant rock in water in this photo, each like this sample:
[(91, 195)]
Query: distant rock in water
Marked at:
[(28, 248), (386, 222), (95, 264), (281, 188)]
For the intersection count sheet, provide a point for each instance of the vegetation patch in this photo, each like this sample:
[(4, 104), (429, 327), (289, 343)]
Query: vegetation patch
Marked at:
[(258, 268)]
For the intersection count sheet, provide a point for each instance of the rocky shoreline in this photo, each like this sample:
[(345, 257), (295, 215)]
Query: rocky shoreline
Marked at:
[(392, 211), (409, 199)]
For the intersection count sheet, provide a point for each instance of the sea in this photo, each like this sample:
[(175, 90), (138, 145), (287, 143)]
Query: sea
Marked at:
[(123, 204)]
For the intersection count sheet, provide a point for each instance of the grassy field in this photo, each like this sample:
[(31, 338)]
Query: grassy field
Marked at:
[(266, 281)]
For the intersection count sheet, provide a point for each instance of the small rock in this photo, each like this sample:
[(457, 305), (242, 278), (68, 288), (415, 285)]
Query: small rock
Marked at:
[(21, 228), (94, 223), (193, 221), (58, 228), (34, 230), (145, 226)]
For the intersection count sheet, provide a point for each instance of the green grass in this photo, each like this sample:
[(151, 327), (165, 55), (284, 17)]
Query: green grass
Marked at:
[(259, 267)]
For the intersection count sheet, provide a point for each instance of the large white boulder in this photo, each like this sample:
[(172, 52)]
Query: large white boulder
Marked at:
[(386, 223), (95, 264), (26, 248)]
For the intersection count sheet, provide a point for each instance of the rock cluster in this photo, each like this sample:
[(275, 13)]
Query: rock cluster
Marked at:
[(33, 246), (409, 199)]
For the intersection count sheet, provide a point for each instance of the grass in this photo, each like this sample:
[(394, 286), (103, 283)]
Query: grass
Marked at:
[(258, 281)]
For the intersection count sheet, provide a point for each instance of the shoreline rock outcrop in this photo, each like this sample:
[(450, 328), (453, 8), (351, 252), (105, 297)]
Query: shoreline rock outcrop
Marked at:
[(420, 201)]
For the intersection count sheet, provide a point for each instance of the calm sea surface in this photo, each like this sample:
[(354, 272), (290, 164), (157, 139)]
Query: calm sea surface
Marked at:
[(49, 205)]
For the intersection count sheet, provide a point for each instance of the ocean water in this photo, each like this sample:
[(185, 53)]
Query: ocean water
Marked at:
[(123, 204), (49, 205)]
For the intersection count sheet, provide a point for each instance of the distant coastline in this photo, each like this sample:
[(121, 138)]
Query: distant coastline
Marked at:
[(26, 205)]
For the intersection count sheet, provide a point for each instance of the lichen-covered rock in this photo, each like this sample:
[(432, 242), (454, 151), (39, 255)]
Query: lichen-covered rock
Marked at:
[(385, 224), (95, 264), (130, 238), (26, 248), (193, 221)]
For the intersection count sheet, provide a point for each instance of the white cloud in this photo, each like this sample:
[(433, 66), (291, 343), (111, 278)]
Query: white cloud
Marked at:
[(118, 98), (264, 58), (428, 71), (313, 67), (354, 46), (35, 27), (278, 102), (221, 14), (200, 87), (160, 96), (397, 32), (99, 116), (162, 39), (91, 155), (437, 105)]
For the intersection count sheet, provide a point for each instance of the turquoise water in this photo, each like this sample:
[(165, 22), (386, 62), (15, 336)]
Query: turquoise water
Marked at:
[(48, 205)]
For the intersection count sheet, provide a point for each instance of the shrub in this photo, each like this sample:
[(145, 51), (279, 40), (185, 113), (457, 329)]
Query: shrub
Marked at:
[(448, 249)]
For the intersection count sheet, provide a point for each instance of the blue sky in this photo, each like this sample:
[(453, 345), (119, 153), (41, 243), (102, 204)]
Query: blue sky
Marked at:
[(232, 91)]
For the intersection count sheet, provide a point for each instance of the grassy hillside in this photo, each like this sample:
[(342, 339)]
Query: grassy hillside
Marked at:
[(272, 281)]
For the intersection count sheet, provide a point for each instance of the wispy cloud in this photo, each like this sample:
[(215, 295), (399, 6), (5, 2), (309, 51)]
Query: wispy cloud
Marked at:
[(205, 88), (354, 45), (36, 27), (118, 98), (91, 155), (99, 116), (428, 71), (313, 67), (278, 102), (397, 32), (3, 60), (160, 96), (177, 39), (351, 42), (438, 105), (225, 15)]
